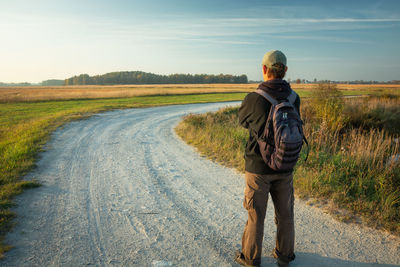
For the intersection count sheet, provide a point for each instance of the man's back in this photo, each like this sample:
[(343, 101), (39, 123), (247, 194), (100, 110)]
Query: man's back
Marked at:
[(253, 114)]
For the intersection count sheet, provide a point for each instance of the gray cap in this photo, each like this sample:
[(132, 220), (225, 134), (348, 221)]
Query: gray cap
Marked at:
[(272, 57)]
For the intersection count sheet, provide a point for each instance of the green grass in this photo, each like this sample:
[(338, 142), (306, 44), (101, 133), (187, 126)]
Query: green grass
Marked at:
[(349, 162), (25, 127)]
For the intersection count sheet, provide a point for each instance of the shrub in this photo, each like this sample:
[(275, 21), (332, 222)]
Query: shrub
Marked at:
[(327, 104), (381, 113)]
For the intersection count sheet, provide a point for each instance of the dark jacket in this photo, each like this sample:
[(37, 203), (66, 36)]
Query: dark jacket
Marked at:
[(253, 115)]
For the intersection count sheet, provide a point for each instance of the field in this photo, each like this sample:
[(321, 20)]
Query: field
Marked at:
[(353, 166), (46, 93), (28, 115)]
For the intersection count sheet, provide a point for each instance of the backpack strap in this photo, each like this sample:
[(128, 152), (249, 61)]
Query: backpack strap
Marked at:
[(308, 147), (268, 136), (271, 100), (292, 97)]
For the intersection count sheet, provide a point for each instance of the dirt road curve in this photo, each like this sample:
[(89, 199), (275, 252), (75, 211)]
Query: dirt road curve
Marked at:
[(120, 189)]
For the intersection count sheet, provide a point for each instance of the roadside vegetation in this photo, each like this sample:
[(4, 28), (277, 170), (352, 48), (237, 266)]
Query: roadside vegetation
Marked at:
[(354, 160)]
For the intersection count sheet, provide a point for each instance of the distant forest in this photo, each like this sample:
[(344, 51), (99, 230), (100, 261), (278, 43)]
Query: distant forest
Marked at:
[(140, 77)]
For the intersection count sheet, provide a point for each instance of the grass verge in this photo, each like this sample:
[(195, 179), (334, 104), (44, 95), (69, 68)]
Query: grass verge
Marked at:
[(354, 159), (26, 126)]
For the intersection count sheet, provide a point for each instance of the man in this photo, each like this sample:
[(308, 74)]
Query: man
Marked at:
[(260, 178)]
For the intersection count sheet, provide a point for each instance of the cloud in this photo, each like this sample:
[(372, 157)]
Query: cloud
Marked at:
[(285, 21), (229, 30), (245, 31)]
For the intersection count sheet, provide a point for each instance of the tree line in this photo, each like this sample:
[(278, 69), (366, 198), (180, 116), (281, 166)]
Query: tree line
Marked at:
[(298, 80), (140, 77)]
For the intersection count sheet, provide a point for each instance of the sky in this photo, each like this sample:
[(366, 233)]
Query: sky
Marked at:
[(324, 40)]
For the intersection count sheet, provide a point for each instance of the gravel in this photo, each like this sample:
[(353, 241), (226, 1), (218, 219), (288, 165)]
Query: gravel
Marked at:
[(121, 189)]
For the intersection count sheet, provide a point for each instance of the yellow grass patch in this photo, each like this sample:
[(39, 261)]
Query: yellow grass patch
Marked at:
[(40, 93)]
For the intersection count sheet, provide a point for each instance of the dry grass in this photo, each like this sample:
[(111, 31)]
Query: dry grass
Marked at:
[(354, 166), (341, 86), (41, 93)]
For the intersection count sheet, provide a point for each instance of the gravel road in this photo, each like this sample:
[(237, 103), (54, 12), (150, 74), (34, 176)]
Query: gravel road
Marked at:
[(121, 189)]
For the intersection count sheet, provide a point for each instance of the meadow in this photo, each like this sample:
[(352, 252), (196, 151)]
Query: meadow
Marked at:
[(46, 93), (353, 169), (28, 116)]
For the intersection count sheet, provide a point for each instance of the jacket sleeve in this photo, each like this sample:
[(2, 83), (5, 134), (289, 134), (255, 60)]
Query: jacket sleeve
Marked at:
[(244, 112), (253, 114)]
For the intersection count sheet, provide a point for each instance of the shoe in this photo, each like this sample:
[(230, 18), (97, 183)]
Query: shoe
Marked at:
[(239, 258), (281, 260)]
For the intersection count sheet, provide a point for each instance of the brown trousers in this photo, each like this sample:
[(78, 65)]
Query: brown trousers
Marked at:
[(280, 186)]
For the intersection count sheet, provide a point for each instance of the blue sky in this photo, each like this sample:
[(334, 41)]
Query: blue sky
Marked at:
[(335, 40)]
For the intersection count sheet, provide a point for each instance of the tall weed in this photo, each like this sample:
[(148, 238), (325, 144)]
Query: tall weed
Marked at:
[(374, 113), (354, 160), (327, 106)]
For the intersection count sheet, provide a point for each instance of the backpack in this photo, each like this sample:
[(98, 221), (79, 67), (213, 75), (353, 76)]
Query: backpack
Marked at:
[(282, 140)]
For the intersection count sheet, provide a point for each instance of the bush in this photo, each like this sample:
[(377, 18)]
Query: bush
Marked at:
[(328, 104), (381, 113)]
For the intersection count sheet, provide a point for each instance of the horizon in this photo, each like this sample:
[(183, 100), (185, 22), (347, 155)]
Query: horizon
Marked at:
[(249, 80), (340, 41)]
